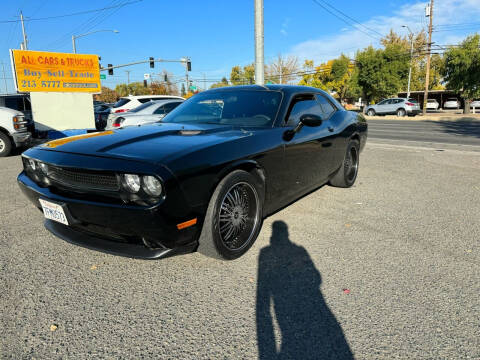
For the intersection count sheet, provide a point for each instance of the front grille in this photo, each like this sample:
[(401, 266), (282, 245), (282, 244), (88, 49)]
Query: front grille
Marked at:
[(83, 179)]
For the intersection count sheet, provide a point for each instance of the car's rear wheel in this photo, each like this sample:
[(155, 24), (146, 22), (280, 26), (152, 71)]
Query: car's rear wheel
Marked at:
[(347, 174), (234, 217), (401, 112), (371, 112), (5, 145)]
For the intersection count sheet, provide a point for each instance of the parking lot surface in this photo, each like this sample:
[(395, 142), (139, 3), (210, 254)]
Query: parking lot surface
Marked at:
[(387, 269)]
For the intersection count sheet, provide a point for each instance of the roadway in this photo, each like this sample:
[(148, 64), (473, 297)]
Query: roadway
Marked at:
[(464, 133)]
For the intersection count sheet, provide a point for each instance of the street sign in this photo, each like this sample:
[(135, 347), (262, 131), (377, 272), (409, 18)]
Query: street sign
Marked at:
[(146, 76), (40, 71), (193, 87), (103, 76)]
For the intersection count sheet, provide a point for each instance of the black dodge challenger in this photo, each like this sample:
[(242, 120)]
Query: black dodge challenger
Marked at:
[(202, 179)]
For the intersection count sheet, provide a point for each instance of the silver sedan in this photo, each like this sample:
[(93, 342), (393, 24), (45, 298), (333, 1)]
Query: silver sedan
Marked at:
[(148, 112)]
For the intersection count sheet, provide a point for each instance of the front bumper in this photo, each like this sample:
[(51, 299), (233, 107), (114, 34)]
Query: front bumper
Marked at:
[(22, 138), (125, 230)]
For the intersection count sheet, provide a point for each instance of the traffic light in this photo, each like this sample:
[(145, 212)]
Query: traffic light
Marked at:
[(189, 65), (110, 70), (165, 77), (152, 62), (145, 83)]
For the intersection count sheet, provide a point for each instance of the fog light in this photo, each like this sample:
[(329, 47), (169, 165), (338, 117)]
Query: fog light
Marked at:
[(152, 186), (132, 182)]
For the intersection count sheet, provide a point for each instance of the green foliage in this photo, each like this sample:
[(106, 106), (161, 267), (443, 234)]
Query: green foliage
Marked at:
[(245, 76), (135, 88), (222, 83), (462, 67)]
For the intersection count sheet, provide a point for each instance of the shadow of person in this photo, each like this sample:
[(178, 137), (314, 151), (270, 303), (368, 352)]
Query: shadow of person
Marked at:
[(288, 279)]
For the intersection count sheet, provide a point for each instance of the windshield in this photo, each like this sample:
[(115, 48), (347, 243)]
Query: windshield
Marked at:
[(256, 108), (412, 101), (142, 107)]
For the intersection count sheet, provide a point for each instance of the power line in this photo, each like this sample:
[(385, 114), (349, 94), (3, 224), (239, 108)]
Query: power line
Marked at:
[(71, 14), (342, 19)]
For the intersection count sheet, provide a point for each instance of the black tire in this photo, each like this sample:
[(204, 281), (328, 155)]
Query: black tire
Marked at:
[(371, 112), (5, 145), (215, 243), (401, 112), (347, 174)]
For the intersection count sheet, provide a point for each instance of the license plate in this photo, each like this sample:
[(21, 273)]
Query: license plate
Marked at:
[(53, 212)]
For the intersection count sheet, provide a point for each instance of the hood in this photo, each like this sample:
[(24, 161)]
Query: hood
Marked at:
[(157, 143), (10, 111)]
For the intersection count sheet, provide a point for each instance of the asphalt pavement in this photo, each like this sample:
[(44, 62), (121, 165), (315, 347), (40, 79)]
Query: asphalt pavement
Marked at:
[(387, 269), (427, 131)]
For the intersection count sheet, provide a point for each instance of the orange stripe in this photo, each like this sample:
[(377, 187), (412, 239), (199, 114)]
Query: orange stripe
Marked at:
[(186, 224)]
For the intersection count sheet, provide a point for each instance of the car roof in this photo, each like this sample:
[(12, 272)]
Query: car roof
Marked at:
[(152, 97)]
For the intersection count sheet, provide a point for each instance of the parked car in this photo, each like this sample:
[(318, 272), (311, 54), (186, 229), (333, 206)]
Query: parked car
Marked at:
[(202, 179), (398, 106), (148, 112), (475, 104), (451, 103), (101, 112), (432, 104), (15, 130), (130, 102)]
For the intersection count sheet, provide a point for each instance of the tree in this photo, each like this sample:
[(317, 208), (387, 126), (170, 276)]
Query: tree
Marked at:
[(242, 76), (282, 70), (462, 69), (135, 88), (222, 83), (107, 95)]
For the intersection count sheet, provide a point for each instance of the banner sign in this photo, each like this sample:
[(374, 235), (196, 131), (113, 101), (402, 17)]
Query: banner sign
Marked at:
[(55, 72)]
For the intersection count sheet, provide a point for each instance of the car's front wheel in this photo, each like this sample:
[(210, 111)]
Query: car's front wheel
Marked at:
[(234, 217), (5, 144), (347, 174), (371, 112)]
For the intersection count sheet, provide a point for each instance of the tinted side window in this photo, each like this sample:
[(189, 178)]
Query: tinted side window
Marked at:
[(300, 107), (160, 110), (121, 102), (327, 107), (144, 100), (383, 102), (170, 106)]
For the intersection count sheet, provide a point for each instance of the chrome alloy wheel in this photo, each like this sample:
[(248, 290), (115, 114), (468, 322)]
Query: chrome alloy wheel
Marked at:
[(351, 164), (238, 216), (2, 145)]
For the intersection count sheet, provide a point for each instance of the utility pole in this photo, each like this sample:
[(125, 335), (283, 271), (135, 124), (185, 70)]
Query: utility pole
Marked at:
[(73, 45), (259, 60), (128, 76), (186, 74), (24, 46), (429, 47)]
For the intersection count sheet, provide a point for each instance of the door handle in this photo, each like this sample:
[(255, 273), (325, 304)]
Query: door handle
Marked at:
[(330, 129)]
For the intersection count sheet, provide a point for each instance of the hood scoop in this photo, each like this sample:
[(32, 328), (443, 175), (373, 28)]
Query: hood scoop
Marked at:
[(189, 132)]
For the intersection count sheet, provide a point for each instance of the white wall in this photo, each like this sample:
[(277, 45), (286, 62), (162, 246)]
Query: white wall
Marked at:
[(62, 111)]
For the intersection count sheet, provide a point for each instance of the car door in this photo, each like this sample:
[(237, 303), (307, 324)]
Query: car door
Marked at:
[(308, 153), (381, 107)]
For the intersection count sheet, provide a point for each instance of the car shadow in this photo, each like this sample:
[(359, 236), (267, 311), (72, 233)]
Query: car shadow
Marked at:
[(288, 280), (466, 127)]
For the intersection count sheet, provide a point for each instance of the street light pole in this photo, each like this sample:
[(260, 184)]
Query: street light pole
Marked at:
[(89, 33), (259, 60), (411, 60)]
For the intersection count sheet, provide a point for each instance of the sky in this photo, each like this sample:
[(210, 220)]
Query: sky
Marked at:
[(219, 34)]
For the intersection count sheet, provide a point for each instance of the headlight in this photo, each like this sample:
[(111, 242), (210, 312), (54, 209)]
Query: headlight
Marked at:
[(152, 186), (32, 164), (43, 167), (132, 182)]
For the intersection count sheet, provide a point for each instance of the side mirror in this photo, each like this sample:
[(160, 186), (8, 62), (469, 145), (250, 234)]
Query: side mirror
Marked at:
[(311, 120)]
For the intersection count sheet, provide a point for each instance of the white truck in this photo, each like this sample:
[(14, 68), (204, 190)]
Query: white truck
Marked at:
[(15, 130)]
